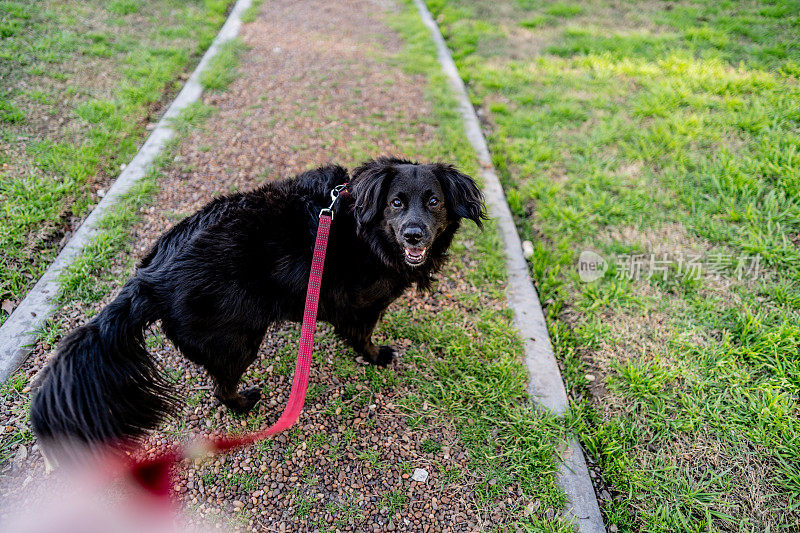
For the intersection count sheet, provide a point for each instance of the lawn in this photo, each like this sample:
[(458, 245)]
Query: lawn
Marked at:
[(80, 83), (663, 137)]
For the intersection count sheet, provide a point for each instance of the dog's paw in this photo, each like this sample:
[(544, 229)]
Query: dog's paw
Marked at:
[(245, 401), (385, 356), (251, 396)]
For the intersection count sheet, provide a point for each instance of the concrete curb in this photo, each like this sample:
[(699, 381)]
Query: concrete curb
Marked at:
[(17, 334), (546, 386)]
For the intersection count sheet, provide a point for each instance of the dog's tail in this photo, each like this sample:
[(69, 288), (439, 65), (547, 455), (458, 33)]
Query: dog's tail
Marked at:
[(102, 387)]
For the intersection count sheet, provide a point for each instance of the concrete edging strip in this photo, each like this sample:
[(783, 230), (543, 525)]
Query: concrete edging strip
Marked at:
[(546, 385), (18, 333)]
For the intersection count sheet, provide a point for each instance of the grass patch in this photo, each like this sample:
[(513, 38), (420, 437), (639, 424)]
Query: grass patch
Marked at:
[(252, 12), (564, 10), (221, 70), (80, 280), (90, 91), (430, 446), (90, 277), (123, 7), (536, 21), (192, 116), (395, 501), (371, 457), (19, 434), (302, 506), (13, 386), (649, 147), (9, 113), (10, 443)]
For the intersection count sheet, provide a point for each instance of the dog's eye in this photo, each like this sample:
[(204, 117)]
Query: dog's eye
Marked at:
[(433, 202), (397, 203)]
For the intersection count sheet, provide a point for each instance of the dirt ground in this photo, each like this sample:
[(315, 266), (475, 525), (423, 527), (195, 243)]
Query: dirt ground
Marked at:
[(311, 90)]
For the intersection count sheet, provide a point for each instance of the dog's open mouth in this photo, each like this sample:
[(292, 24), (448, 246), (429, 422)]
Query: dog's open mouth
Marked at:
[(415, 256)]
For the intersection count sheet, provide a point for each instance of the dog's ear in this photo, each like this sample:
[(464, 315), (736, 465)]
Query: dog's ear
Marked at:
[(369, 185), (462, 195)]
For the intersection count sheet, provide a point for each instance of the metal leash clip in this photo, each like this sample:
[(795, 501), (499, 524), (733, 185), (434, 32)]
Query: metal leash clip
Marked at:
[(334, 196)]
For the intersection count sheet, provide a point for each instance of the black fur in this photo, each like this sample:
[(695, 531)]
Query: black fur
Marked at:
[(221, 277)]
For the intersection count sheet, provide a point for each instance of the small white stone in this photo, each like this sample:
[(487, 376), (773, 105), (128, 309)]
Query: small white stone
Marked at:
[(101, 192), (21, 455), (420, 474), (527, 249)]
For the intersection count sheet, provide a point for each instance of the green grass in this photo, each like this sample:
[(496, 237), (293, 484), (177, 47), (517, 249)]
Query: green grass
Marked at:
[(371, 457), (303, 506), (88, 95), (430, 446), (345, 511), (252, 12), (535, 21), (10, 443), (92, 276), (19, 434), (80, 280), (565, 10), (9, 113), (221, 70), (244, 483), (13, 386), (635, 129), (394, 501)]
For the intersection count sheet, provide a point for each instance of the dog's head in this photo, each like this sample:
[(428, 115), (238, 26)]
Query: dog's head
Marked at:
[(413, 210)]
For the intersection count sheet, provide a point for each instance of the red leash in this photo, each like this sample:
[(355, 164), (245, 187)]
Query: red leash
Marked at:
[(153, 474)]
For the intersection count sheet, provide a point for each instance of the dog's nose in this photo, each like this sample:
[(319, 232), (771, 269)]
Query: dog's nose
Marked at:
[(412, 235)]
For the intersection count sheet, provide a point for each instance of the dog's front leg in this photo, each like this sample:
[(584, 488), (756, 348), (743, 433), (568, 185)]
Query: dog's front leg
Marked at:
[(358, 334)]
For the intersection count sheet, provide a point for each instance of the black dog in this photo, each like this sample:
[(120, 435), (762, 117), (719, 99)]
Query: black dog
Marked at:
[(220, 277)]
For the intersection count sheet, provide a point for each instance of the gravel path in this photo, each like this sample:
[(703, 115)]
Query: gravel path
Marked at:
[(312, 89)]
